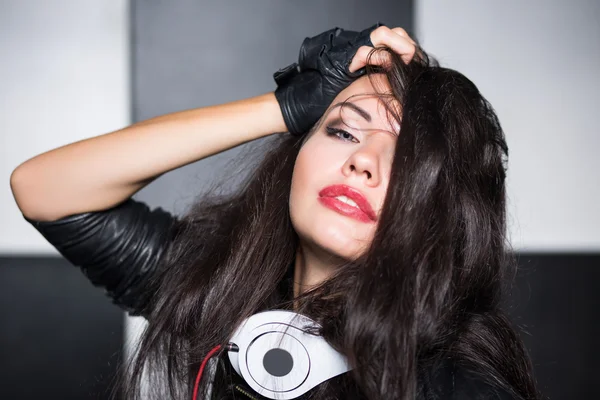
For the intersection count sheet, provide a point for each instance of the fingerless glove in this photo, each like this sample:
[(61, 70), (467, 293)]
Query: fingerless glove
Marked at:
[(306, 88)]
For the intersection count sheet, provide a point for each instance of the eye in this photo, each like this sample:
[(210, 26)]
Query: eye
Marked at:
[(341, 134)]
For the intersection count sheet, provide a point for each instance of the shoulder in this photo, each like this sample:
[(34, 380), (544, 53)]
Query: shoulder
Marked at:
[(448, 380), (118, 248)]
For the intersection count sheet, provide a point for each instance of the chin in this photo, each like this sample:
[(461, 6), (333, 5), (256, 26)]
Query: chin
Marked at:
[(328, 235), (340, 242), (343, 250)]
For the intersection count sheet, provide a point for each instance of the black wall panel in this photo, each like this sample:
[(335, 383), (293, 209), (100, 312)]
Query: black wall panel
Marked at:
[(555, 299), (60, 338)]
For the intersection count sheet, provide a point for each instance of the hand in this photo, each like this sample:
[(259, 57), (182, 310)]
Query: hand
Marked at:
[(396, 39), (327, 64)]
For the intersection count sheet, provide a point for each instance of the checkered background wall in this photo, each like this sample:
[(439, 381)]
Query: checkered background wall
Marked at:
[(72, 70)]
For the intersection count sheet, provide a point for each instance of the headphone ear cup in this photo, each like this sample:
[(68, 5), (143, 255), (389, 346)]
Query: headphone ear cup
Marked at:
[(281, 361)]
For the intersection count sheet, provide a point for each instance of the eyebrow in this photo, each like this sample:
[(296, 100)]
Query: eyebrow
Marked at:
[(360, 111)]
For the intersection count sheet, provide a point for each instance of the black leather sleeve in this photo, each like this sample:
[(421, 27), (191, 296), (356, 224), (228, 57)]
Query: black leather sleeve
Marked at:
[(118, 249)]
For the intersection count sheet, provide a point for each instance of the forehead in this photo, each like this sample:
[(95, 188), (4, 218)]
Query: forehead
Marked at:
[(376, 83), (366, 92)]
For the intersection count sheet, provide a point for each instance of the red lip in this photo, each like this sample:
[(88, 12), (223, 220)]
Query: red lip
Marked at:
[(365, 213)]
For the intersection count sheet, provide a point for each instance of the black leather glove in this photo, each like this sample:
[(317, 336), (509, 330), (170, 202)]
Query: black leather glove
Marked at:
[(306, 88)]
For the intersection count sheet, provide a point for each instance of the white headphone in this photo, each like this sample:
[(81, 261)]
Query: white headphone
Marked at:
[(280, 361)]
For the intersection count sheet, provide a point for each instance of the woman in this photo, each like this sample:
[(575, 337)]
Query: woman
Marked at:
[(381, 216)]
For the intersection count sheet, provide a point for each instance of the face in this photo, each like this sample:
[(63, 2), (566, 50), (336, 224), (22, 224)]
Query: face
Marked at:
[(349, 154)]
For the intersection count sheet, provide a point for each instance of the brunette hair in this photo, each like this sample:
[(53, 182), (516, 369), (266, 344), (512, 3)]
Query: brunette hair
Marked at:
[(427, 289)]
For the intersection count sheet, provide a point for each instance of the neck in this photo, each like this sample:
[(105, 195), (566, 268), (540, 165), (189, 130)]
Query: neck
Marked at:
[(312, 267)]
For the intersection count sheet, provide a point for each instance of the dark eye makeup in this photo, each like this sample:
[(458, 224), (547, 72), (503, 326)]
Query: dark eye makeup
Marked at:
[(339, 133)]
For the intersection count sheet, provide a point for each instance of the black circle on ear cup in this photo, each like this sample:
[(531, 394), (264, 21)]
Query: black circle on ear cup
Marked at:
[(277, 374), (278, 362)]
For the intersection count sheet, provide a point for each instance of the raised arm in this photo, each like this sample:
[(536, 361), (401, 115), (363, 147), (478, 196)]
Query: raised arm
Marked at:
[(98, 173), (78, 196)]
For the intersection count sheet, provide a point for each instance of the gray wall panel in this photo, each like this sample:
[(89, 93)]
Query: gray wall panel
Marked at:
[(189, 54)]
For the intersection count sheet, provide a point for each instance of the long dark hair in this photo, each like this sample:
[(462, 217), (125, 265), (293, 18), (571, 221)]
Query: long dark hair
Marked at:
[(427, 289)]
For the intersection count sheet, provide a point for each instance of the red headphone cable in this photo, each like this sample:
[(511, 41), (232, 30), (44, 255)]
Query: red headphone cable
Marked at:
[(228, 347)]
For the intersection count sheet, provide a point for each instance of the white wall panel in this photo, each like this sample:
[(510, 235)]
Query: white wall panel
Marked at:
[(63, 77), (538, 63)]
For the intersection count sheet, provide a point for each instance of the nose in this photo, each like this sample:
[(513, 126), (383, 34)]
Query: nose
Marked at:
[(365, 162)]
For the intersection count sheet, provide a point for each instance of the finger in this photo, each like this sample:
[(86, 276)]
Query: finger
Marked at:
[(384, 36), (360, 58), (403, 33)]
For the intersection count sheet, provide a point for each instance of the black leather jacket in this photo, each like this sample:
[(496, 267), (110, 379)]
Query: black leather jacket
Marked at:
[(119, 249)]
